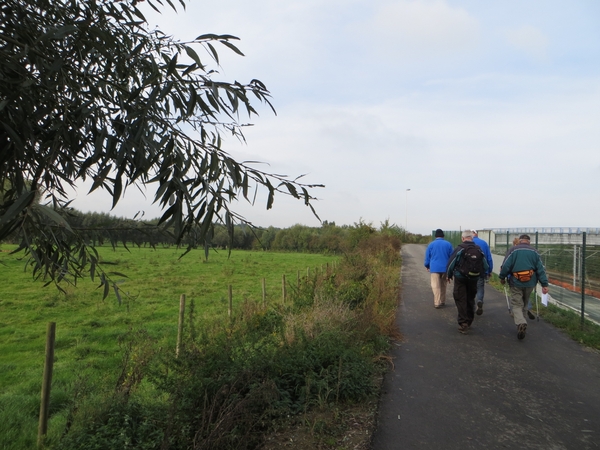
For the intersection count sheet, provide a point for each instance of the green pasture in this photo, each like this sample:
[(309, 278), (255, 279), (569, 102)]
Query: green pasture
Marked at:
[(90, 330)]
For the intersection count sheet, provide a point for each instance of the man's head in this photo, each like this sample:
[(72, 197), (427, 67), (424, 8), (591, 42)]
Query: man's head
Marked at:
[(439, 233), (524, 239), (467, 235), (475, 234)]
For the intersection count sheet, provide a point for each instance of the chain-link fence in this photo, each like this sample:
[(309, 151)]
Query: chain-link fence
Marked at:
[(451, 236)]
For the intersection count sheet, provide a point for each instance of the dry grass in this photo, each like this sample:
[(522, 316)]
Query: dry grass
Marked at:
[(324, 315)]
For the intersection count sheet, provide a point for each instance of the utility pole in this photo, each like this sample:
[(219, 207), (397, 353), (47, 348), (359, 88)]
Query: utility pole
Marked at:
[(406, 213)]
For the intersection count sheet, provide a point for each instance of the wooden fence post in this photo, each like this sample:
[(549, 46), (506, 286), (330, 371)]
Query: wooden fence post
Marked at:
[(180, 325), (46, 383), (230, 311), (283, 287)]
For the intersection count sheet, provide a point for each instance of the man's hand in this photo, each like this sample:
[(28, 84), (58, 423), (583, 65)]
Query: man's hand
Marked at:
[(502, 280), (544, 290), (427, 269)]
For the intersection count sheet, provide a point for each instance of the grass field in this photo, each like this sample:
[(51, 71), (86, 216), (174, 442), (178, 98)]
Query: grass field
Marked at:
[(89, 329)]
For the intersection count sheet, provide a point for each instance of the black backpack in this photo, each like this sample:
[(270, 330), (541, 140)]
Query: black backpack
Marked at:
[(470, 264)]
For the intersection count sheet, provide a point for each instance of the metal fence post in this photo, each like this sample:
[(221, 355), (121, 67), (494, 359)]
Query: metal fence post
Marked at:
[(534, 292), (574, 265), (583, 245)]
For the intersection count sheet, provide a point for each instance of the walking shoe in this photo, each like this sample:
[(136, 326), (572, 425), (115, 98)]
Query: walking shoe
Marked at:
[(530, 315), (479, 308), (521, 329), (463, 328)]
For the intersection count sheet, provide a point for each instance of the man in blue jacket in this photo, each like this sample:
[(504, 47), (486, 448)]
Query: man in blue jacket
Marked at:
[(436, 258), (485, 248), (524, 265)]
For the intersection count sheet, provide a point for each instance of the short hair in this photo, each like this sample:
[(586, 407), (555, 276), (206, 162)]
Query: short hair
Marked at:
[(524, 237), (467, 234)]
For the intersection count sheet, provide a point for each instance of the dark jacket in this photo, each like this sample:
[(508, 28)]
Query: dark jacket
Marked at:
[(523, 257), (451, 268)]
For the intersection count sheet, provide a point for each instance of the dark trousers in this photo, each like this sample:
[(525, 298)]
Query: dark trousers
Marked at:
[(464, 293)]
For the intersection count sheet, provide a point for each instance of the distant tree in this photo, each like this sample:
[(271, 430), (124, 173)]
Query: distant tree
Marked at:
[(89, 91), (391, 229), (358, 232)]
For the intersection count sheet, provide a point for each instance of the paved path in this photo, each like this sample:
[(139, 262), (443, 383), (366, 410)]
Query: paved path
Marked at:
[(486, 389)]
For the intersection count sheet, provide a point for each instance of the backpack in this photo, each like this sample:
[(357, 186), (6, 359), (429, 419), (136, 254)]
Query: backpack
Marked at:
[(470, 264)]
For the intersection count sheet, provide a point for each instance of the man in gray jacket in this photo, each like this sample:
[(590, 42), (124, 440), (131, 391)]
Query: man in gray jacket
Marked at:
[(524, 265)]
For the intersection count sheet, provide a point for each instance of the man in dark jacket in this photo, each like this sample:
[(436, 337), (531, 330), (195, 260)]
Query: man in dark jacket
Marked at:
[(465, 276), (524, 265)]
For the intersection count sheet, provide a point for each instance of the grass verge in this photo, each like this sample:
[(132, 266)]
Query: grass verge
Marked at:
[(567, 320)]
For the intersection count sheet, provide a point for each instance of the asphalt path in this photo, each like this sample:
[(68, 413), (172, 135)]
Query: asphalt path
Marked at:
[(486, 389)]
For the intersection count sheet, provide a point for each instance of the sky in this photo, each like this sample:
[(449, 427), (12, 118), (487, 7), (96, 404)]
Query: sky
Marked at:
[(427, 114)]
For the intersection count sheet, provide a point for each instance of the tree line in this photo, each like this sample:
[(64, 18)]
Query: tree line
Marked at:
[(99, 228)]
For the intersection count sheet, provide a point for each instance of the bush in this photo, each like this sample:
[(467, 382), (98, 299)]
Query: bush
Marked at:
[(117, 425)]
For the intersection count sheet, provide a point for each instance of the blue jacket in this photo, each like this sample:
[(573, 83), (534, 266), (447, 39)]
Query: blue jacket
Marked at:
[(437, 254), (485, 248)]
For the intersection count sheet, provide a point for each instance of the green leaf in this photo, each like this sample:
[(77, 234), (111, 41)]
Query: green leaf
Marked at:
[(192, 54), (106, 289), (118, 294), (232, 47), (54, 216), (59, 32), (17, 207), (214, 53), (118, 274), (13, 136)]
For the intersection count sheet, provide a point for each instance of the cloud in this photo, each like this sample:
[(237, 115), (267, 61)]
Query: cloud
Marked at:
[(530, 40), (425, 28)]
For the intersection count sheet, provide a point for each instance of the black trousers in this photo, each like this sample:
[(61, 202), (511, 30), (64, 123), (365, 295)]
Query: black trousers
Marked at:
[(464, 293)]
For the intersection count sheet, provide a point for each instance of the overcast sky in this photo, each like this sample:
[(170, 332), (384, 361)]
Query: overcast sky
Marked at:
[(489, 112)]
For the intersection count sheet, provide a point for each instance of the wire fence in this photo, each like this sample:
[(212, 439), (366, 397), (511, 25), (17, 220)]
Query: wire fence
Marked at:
[(451, 236), (571, 257)]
